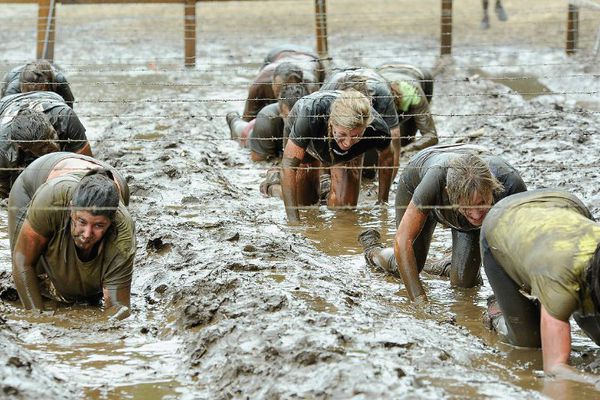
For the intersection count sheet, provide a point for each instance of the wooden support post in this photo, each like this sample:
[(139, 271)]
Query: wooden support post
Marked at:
[(321, 24), (446, 28), (572, 29), (189, 33), (46, 29)]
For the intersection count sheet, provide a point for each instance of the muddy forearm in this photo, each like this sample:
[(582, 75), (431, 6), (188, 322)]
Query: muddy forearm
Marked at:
[(86, 150), (407, 267), (26, 282), (387, 168), (288, 187), (426, 127)]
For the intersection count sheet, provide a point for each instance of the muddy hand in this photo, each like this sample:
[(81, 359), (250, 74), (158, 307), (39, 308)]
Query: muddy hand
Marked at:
[(118, 313)]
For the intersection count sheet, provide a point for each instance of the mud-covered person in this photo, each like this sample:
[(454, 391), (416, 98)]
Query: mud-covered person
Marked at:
[(412, 88), (68, 127), (71, 235), (264, 135), (452, 185), (283, 65), (374, 86), (39, 75), (332, 129), (541, 255)]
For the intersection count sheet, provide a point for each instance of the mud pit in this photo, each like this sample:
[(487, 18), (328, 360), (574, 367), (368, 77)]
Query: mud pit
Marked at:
[(231, 302)]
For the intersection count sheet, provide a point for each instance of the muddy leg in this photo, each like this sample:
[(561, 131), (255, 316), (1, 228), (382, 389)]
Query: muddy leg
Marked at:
[(345, 183), (466, 259), (485, 22)]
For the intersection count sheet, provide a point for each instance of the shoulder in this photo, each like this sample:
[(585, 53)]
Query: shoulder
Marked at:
[(124, 231)]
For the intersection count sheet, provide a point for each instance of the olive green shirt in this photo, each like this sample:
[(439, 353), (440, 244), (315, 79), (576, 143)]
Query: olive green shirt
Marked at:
[(112, 268), (544, 240)]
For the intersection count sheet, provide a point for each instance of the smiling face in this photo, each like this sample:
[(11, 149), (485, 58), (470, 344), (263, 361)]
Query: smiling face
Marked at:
[(477, 208), (88, 229), (345, 137)]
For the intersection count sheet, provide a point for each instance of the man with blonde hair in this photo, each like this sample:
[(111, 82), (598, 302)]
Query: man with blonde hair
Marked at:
[(332, 129), (454, 185)]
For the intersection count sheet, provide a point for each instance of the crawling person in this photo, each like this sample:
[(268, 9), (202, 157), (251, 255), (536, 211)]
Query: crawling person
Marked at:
[(288, 66), (26, 137), (68, 127), (264, 135), (332, 129), (412, 88), (37, 75), (541, 255), (71, 236), (452, 185)]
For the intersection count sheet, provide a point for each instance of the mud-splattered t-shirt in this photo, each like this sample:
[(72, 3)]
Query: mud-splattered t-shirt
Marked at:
[(60, 86), (64, 120), (74, 279), (544, 240), (425, 178), (266, 138), (307, 127), (379, 90)]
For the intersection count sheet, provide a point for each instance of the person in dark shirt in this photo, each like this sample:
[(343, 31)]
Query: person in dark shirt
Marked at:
[(27, 136), (70, 130), (332, 129), (455, 186), (37, 75)]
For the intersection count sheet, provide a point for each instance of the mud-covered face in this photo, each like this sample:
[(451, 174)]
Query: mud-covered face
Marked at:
[(346, 138), (88, 229), (477, 208)]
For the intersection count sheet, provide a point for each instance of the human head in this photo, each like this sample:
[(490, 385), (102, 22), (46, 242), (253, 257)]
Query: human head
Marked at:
[(289, 96), (349, 116), (471, 187), (592, 278), (93, 206), (37, 76), (286, 73), (32, 131), (353, 81)]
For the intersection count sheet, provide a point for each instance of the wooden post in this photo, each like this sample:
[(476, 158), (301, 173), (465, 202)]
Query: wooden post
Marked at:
[(572, 29), (446, 28), (46, 29), (321, 24), (189, 33)]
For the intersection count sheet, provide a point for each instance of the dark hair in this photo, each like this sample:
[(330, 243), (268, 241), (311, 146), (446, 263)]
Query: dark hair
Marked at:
[(290, 94), (353, 81), (289, 72), (592, 277), (29, 125), (37, 75), (97, 193)]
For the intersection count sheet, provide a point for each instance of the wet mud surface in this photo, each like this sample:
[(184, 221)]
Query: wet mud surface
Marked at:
[(231, 302)]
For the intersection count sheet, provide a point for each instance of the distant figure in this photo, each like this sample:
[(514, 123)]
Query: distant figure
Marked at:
[(37, 75), (499, 10)]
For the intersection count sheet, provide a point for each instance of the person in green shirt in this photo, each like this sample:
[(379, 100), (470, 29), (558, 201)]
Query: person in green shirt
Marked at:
[(71, 235), (541, 254)]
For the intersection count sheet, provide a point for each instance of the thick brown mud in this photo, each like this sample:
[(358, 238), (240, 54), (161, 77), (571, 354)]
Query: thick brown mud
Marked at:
[(229, 301)]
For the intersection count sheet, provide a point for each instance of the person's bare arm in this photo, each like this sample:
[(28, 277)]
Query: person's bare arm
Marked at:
[(254, 156), (425, 125), (386, 173), (292, 157), (28, 249), (117, 302), (410, 226), (86, 150)]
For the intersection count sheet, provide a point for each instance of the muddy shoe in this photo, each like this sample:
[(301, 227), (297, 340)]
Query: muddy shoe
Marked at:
[(370, 240), (485, 22), (324, 187), (273, 178), (230, 117), (500, 13), (439, 268), (492, 314)]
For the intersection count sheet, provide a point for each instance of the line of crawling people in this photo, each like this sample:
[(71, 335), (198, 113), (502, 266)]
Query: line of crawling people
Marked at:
[(540, 249), (72, 238)]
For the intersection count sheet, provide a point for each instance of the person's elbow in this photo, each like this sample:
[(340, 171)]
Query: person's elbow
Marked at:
[(256, 157)]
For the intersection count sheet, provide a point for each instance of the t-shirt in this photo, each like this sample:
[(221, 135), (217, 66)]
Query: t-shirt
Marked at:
[(425, 178), (307, 127), (60, 86), (379, 90), (544, 240), (12, 161), (266, 137), (70, 130), (75, 279)]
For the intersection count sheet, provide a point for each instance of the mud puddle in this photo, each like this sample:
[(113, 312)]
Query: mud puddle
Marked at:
[(528, 87)]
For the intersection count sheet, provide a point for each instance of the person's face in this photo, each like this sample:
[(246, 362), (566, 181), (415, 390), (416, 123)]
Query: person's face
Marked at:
[(88, 229), (346, 138), (277, 85), (477, 209), (284, 111)]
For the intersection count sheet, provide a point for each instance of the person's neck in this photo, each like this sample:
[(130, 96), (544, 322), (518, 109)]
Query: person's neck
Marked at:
[(88, 255)]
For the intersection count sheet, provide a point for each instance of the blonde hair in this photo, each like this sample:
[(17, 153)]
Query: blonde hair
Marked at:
[(351, 110), (469, 174)]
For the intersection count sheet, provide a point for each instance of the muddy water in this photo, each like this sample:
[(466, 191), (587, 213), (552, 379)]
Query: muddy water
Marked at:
[(528, 87)]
